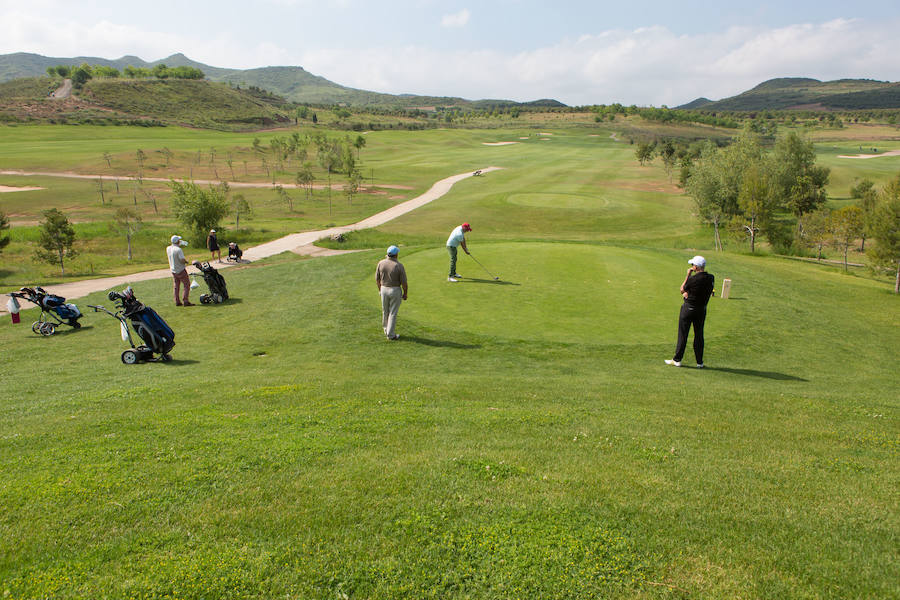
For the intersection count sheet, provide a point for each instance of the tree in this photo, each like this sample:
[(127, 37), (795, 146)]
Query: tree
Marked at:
[(240, 206), (56, 239), (127, 222), (285, 197), (815, 230), (756, 201), (347, 160), (108, 159), (101, 191), (198, 209), (885, 253), (352, 185), (801, 184), (4, 226), (716, 204), (140, 156), (845, 226), (868, 199), (168, 155), (81, 75), (667, 153), (359, 143), (305, 178), (644, 152)]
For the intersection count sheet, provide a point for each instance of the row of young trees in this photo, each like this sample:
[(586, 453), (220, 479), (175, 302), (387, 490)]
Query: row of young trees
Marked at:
[(85, 72)]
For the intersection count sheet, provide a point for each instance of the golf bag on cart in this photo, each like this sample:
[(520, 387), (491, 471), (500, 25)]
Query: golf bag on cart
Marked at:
[(218, 291), (54, 310), (156, 334)]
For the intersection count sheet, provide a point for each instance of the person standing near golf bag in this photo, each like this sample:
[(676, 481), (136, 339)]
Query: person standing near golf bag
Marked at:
[(212, 243), (457, 238), (178, 265), (698, 286), (390, 277)]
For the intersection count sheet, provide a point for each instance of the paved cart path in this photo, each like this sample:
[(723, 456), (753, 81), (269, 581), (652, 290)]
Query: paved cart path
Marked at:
[(299, 243)]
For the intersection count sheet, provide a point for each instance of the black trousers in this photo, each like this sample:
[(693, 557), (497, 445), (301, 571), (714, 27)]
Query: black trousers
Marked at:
[(690, 315)]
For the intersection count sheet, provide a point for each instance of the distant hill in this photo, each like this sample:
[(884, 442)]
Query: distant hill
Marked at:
[(698, 103), (151, 102), (294, 83), (800, 93)]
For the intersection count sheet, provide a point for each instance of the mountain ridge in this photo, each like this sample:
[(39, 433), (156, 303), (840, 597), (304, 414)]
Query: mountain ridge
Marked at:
[(293, 82)]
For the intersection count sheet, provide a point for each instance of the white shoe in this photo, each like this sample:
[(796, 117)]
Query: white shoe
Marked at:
[(701, 366), (452, 279), (674, 363)]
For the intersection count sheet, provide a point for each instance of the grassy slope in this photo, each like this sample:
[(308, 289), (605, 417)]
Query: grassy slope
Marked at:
[(199, 103), (501, 448)]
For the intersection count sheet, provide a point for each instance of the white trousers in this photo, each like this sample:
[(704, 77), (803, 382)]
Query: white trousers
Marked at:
[(391, 297)]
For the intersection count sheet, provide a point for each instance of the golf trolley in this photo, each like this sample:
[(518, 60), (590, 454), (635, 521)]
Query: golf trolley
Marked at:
[(218, 291), (54, 310), (158, 337)]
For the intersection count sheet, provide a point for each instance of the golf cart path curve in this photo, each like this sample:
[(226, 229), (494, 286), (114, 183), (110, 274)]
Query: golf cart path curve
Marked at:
[(299, 243)]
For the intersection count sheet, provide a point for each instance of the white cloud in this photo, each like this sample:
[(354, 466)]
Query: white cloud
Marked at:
[(460, 19), (646, 66)]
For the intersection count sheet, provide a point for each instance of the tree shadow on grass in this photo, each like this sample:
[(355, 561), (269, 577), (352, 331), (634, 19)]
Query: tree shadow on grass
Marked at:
[(491, 281), (437, 343), (754, 373)]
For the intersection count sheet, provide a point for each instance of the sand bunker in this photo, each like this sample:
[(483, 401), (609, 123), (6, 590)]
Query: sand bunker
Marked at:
[(6, 188), (888, 153), (498, 143), (545, 134)]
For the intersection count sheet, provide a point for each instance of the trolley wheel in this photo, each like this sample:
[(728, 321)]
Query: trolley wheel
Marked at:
[(204, 299), (36, 326), (76, 325), (129, 357), (165, 357), (218, 299), (48, 329)]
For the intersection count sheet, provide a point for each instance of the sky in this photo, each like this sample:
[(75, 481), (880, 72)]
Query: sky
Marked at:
[(649, 53)]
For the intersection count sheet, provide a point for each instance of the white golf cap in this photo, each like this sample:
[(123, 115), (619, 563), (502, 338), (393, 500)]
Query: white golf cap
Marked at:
[(176, 239), (212, 230), (697, 261)]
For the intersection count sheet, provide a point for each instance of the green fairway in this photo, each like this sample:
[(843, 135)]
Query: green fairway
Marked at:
[(565, 293), (522, 439)]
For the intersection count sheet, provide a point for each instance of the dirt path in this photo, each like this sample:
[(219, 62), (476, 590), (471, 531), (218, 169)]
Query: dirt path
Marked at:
[(63, 91), (232, 184), (299, 243)]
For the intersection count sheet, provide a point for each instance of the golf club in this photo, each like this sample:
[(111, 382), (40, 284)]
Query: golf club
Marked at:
[(483, 267)]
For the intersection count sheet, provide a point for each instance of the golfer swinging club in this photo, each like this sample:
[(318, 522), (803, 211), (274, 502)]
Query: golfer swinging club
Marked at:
[(698, 286), (457, 238)]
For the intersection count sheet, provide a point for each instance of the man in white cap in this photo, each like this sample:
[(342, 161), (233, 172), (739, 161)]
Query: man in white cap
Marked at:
[(698, 286), (390, 277), (178, 264)]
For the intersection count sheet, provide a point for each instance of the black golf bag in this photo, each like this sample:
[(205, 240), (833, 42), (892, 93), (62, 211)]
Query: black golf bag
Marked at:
[(218, 291), (234, 252), (54, 310), (156, 334)]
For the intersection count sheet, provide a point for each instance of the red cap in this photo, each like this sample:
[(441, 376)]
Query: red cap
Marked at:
[(466, 227)]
